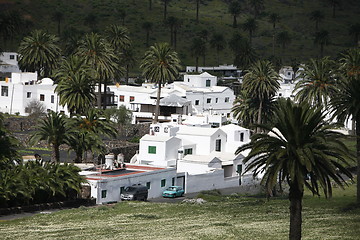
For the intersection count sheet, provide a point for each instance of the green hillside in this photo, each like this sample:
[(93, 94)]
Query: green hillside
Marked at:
[(81, 16)]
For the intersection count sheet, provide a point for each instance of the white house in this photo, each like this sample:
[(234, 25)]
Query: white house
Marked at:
[(107, 185), (204, 157), (196, 94), (9, 62), (19, 90)]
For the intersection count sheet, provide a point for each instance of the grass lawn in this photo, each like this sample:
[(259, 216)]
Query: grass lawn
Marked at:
[(222, 217)]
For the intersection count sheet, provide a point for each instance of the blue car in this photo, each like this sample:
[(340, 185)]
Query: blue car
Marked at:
[(173, 191)]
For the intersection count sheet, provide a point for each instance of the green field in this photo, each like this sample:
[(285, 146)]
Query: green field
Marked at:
[(222, 217)]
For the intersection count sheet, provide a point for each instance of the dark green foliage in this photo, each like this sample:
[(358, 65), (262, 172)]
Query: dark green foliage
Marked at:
[(38, 182), (8, 146)]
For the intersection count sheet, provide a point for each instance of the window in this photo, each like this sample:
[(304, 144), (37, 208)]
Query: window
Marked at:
[(163, 182), (227, 99), (148, 185), (218, 145), (239, 171), (280, 94), (216, 100), (42, 97), (4, 91), (241, 137), (208, 82), (122, 189), (196, 102), (188, 151), (52, 99), (28, 94), (208, 100), (188, 79), (228, 115), (122, 98), (157, 129), (103, 193), (173, 181), (12, 57), (132, 98), (152, 149)]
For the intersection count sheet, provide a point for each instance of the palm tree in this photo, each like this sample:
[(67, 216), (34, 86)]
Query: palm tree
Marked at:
[(261, 81), (10, 25), (58, 17), (204, 35), (316, 16), (234, 10), (39, 52), (99, 54), (250, 25), (283, 38), (53, 130), (166, 2), (118, 37), (150, 5), (177, 26), (160, 64), (257, 6), (334, 4), (197, 48), (346, 100), (197, 10), (317, 84), (322, 38), (273, 19), (218, 42), (301, 150), (76, 86), (244, 54), (354, 31), (127, 58), (147, 26), (91, 20)]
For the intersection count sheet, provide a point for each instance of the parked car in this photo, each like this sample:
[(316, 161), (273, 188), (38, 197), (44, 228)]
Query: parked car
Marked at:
[(135, 192), (173, 191)]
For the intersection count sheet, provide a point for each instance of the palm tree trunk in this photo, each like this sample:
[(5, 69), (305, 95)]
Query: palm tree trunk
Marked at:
[(358, 158), (150, 5), (127, 75), (321, 50), (259, 115), (105, 95), (147, 38), (197, 10), (175, 36), (196, 64), (165, 9), (295, 197), (157, 108), (234, 22), (99, 96), (55, 153), (273, 44)]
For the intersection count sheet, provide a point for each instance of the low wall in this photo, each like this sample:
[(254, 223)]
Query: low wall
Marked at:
[(47, 206)]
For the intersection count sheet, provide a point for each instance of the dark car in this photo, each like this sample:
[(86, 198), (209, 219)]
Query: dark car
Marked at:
[(135, 192)]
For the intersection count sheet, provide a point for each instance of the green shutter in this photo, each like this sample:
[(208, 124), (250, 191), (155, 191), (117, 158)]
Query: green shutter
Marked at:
[(163, 182), (103, 194), (152, 149)]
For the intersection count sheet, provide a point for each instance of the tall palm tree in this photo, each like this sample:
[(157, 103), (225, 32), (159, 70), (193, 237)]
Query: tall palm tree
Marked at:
[(322, 38), (301, 150), (171, 21), (283, 38), (317, 16), (250, 25), (147, 26), (354, 31), (261, 81), (39, 52), (118, 37), (234, 10), (317, 84), (256, 6), (99, 54), (166, 2), (53, 130), (273, 19), (127, 58), (160, 64), (204, 35), (218, 42), (197, 10), (58, 16), (76, 86), (244, 54), (346, 100), (197, 48), (334, 4)]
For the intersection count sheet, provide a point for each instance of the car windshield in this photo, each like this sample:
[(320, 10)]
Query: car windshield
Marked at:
[(129, 189), (171, 189)]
